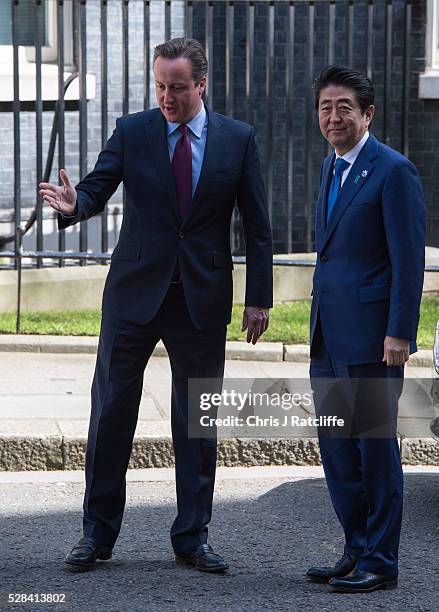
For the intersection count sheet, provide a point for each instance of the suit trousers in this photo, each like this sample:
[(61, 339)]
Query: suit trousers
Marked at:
[(363, 472), (123, 353)]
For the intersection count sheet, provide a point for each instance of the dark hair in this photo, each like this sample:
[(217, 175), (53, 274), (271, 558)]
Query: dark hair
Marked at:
[(341, 75), (188, 48)]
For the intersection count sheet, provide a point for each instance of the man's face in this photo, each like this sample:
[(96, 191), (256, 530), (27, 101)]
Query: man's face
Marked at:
[(340, 118), (177, 95)]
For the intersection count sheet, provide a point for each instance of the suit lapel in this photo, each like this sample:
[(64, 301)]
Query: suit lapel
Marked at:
[(158, 143), (356, 179), (211, 159)]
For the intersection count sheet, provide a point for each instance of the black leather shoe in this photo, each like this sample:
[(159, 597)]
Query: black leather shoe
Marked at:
[(343, 567), (86, 552), (204, 559), (363, 582)]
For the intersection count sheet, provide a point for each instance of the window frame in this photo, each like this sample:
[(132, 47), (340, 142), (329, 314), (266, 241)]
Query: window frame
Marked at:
[(429, 79), (435, 45), (432, 35)]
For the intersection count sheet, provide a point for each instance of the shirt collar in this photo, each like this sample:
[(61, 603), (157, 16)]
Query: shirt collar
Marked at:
[(352, 155), (196, 124)]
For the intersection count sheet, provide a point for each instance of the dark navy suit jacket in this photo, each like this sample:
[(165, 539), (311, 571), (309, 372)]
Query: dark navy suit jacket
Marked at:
[(153, 235), (370, 257)]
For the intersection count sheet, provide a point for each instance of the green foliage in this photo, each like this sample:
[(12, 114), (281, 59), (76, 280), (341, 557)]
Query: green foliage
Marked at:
[(54, 322), (289, 322), (428, 320)]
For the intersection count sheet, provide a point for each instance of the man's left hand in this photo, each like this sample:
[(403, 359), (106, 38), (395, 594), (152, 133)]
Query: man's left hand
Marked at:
[(255, 321), (396, 351)]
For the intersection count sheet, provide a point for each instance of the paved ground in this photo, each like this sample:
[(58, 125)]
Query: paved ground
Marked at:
[(58, 385), (270, 523), (53, 391)]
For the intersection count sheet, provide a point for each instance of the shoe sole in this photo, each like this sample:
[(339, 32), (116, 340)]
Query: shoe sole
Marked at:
[(384, 586), (216, 570), (322, 580), (101, 557), (319, 580)]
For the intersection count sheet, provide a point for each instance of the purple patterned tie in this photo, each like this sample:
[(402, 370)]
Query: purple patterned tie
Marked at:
[(182, 170)]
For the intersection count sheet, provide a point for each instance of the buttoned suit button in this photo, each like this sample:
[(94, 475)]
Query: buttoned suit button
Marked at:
[(323, 258), (181, 235)]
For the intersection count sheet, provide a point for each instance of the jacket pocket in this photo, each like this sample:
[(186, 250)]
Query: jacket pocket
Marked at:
[(126, 252), (374, 293), (222, 260)]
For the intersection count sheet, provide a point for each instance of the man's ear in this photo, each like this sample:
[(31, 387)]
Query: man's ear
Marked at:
[(370, 111), (202, 85)]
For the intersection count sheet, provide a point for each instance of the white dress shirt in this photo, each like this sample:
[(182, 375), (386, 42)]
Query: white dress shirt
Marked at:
[(351, 156)]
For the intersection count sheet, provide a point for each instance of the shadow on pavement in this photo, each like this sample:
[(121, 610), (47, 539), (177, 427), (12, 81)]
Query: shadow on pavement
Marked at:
[(269, 532)]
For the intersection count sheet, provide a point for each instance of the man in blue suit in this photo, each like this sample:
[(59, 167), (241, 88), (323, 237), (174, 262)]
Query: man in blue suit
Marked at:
[(370, 234), (183, 168)]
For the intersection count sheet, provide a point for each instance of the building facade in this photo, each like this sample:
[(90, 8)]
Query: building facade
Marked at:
[(263, 58)]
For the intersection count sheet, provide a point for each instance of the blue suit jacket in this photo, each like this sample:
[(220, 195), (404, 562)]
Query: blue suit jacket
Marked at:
[(153, 235), (370, 257)]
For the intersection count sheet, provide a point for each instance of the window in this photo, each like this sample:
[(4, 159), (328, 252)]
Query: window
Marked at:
[(27, 30), (26, 52), (26, 20), (429, 80)]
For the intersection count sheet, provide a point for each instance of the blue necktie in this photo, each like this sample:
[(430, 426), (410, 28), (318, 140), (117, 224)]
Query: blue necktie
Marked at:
[(340, 166)]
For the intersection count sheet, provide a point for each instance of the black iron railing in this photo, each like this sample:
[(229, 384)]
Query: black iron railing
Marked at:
[(263, 56)]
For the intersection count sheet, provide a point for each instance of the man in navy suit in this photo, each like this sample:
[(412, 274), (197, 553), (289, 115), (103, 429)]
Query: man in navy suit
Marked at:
[(367, 287), (183, 168)]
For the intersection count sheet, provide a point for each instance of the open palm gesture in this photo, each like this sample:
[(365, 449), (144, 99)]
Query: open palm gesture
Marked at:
[(61, 198)]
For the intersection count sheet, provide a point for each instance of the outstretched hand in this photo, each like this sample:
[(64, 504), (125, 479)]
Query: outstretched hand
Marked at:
[(255, 321), (61, 198)]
